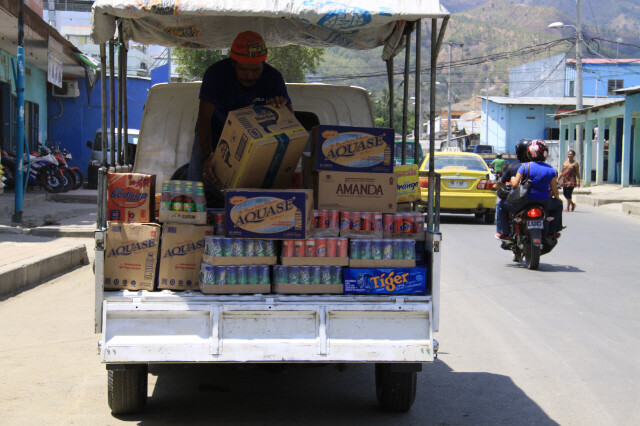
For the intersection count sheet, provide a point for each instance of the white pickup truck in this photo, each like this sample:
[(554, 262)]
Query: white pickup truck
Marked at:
[(393, 332)]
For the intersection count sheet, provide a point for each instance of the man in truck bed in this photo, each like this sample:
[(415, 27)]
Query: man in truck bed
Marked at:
[(239, 81)]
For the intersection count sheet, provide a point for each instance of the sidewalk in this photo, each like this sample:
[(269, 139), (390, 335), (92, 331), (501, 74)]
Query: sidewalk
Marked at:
[(57, 230)]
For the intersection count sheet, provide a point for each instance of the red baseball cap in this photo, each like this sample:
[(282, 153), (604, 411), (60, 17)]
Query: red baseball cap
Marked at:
[(249, 48)]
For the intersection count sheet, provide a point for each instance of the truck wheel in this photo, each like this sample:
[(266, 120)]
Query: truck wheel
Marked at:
[(395, 390), (128, 389)]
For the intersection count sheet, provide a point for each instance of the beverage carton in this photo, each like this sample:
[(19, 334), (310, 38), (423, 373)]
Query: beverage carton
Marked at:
[(385, 280), (269, 214), (356, 192), (131, 197), (408, 183), (131, 254), (181, 252), (259, 147), (353, 149)]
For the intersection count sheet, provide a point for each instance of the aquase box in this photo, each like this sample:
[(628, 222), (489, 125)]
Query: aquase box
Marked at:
[(353, 149), (269, 214)]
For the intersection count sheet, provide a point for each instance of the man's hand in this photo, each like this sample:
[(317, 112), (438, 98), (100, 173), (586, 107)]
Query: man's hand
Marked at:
[(279, 101), (208, 176)]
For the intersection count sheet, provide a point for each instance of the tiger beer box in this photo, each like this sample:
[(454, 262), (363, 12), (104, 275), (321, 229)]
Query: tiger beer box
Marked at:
[(353, 149), (181, 252), (356, 192), (385, 280), (260, 147), (131, 197), (131, 254), (269, 214)]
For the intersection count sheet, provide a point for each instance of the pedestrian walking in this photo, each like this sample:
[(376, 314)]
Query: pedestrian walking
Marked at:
[(570, 179)]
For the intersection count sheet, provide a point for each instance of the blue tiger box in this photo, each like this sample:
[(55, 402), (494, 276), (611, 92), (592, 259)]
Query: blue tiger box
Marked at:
[(269, 214), (353, 149), (385, 280)]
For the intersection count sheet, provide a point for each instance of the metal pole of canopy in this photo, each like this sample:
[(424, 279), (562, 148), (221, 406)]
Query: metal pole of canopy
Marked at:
[(391, 92), (125, 120), (112, 104), (120, 84), (20, 139), (436, 43), (405, 100), (102, 199), (418, 110)]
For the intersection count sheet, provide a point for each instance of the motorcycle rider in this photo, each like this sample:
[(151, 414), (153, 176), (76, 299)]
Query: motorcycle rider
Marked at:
[(503, 207), (543, 179), (498, 164)]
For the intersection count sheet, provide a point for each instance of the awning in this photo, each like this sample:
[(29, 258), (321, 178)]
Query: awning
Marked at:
[(360, 24)]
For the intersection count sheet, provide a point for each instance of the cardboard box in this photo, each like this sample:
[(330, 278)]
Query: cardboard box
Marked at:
[(260, 147), (131, 255), (359, 192), (269, 214), (308, 288), (385, 281), (131, 197), (353, 149), (408, 183), (194, 218), (181, 251)]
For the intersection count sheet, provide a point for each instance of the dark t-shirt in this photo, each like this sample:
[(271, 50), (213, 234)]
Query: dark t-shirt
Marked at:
[(220, 87), (510, 172)]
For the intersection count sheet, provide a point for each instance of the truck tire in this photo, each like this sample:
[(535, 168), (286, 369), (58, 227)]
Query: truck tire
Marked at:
[(395, 390), (127, 392)]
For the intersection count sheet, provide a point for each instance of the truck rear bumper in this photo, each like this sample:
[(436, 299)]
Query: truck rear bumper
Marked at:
[(163, 327)]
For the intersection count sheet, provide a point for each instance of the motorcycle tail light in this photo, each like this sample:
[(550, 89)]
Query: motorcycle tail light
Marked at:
[(535, 212), (424, 182), (485, 184)]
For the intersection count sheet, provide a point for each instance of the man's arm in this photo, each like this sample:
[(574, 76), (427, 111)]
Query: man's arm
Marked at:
[(205, 112)]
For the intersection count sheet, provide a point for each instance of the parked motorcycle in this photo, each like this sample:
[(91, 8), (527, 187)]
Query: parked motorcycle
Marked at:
[(63, 156), (9, 166), (529, 238), (44, 170)]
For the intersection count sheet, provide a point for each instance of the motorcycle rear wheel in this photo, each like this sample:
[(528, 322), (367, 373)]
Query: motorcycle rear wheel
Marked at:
[(68, 180), (532, 256), (79, 178)]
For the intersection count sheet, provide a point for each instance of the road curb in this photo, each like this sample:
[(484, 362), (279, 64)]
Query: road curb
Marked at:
[(37, 269), (61, 231), (632, 208)]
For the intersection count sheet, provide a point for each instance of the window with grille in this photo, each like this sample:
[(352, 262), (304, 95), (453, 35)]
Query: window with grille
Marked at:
[(572, 88), (613, 85)]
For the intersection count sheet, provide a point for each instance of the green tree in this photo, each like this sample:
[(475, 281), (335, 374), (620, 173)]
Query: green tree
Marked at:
[(294, 62)]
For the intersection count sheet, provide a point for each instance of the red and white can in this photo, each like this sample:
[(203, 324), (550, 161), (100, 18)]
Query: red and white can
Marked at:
[(397, 223), (408, 223), (356, 221), (310, 247), (332, 247), (288, 248), (299, 248), (387, 223), (334, 219), (315, 219), (376, 221), (345, 221), (342, 247), (419, 222), (323, 219), (321, 247), (365, 217)]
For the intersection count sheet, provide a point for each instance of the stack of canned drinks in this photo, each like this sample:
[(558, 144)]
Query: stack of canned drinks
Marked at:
[(217, 246), (383, 249), (307, 274), (403, 223), (326, 219), (360, 221), (183, 196), (315, 247), (232, 275)]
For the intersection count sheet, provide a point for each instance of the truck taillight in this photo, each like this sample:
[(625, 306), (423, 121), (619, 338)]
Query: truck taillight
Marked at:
[(424, 182), (485, 184), (535, 212)]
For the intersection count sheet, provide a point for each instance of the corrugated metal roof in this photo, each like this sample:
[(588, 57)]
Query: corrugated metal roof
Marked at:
[(592, 108), (597, 61), (629, 90), (560, 101)]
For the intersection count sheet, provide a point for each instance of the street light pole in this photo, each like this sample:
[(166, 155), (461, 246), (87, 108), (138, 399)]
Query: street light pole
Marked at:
[(451, 44), (579, 104)]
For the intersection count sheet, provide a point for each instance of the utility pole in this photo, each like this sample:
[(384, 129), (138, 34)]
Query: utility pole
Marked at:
[(486, 116), (451, 44), (579, 105), (20, 148)]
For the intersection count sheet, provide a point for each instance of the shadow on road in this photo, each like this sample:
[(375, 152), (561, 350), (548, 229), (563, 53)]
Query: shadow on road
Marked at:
[(325, 394)]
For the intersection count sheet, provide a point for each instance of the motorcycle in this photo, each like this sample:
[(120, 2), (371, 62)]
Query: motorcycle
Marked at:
[(529, 238), (43, 170), (73, 173)]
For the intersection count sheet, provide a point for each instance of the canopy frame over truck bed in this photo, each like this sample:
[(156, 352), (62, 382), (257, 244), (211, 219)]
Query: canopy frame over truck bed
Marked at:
[(394, 331)]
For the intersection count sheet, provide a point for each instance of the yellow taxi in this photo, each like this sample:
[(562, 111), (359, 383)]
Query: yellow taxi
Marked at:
[(465, 184)]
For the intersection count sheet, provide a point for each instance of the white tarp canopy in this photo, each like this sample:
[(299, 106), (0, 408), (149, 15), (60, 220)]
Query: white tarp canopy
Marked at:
[(213, 24)]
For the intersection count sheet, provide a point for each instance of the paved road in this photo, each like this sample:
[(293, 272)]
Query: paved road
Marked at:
[(555, 346)]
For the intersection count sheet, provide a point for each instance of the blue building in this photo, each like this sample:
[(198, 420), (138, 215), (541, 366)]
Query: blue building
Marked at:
[(555, 76)]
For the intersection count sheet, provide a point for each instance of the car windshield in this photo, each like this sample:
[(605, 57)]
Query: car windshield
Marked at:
[(459, 162)]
